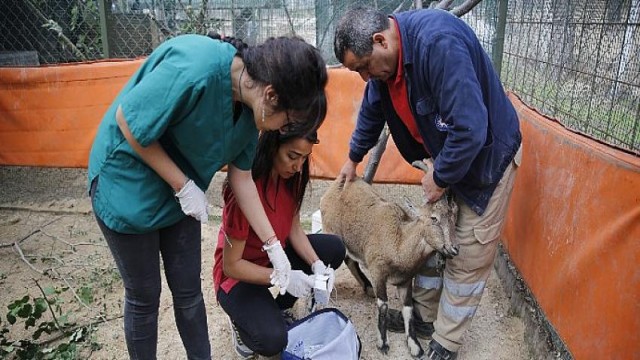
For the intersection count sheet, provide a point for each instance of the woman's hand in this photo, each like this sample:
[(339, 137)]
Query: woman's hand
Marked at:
[(319, 268), (281, 266), (193, 201), (300, 284)]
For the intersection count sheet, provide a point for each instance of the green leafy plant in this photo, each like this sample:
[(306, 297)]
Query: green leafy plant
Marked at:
[(85, 27), (30, 312)]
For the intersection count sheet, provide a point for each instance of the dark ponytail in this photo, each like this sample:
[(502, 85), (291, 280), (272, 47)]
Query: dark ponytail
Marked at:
[(297, 72), (237, 43)]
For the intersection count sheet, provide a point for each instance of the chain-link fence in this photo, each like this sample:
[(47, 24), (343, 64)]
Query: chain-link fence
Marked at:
[(42, 32), (577, 61)]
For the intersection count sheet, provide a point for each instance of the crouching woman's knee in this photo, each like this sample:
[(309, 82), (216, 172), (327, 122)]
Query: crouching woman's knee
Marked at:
[(271, 343), (330, 248)]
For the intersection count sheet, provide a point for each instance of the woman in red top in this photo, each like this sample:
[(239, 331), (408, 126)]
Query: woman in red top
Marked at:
[(242, 271)]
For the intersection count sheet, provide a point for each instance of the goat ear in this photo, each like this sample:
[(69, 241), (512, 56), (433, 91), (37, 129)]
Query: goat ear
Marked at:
[(451, 200), (454, 206), (428, 161), (420, 164)]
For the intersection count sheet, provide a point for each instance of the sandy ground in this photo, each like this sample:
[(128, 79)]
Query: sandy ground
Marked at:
[(46, 220)]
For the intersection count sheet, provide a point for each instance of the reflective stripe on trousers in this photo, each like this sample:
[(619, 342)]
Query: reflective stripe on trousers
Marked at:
[(452, 305)]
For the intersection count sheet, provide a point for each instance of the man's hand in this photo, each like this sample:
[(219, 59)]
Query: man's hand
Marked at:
[(348, 171), (432, 192)]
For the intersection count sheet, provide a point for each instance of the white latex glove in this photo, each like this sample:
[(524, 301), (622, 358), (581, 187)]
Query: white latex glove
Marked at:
[(281, 266), (319, 268), (300, 284), (193, 201)]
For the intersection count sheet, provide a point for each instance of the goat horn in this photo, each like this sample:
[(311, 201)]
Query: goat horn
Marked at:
[(421, 165)]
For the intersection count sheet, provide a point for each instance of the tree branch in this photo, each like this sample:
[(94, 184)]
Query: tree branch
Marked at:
[(375, 156), (464, 7), (53, 313), (93, 323), (444, 5), (43, 210), (75, 294), (30, 234), (19, 250), (58, 31), (71, 245), (286, 11)]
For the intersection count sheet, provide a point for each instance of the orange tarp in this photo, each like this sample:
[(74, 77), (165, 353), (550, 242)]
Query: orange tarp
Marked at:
[(573, 228), (344, 95), (50, 116), (573, 231)]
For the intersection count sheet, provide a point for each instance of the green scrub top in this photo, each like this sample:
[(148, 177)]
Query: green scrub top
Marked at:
[(181, 96)]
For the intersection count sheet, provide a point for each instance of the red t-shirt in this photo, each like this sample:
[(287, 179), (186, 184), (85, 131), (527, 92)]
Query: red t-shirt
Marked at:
[(400, 96), (280, 209)]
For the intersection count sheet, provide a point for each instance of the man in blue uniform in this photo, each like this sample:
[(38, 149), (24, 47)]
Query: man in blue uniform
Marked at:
[(431, 82)]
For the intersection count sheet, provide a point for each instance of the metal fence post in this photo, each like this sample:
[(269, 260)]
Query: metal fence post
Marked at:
[(498, 45), (104, 6)]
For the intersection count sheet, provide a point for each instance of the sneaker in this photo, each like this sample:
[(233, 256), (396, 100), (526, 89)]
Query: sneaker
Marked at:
[(438, 352), (395, 323), (241, 349), (287, 315)]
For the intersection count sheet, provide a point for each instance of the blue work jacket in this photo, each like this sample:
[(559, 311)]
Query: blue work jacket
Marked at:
[(466, 121)]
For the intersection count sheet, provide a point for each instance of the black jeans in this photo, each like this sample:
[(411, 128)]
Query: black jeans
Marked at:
[(256, 313), (138, 259)]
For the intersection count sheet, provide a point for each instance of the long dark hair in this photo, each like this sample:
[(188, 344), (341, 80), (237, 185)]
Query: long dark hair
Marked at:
[(297, 72), (268, 145)]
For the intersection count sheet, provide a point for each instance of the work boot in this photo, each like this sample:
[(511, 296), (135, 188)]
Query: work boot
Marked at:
[(435, 351), (395, 323)]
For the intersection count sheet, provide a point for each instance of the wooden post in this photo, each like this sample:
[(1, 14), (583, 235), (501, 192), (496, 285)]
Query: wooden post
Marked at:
[(498, 45), (104, 6)]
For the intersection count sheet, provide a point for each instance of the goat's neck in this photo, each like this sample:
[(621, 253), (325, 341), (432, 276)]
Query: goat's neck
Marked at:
[(413, 233)]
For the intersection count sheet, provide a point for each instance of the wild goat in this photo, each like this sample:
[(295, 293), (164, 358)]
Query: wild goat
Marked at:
[(389, 242)]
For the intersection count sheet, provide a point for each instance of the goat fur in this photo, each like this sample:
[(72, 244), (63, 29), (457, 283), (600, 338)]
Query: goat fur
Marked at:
[(391, 243)]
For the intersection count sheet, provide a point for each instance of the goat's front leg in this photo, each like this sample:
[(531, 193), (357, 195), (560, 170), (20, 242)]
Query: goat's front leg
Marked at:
[(405, 293), (383, 308)]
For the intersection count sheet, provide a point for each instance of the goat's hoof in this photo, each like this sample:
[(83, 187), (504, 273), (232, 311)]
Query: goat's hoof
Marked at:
[(414, 347), (384, 348)]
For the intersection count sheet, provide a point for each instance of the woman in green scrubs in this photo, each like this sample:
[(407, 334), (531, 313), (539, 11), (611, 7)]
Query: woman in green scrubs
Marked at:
[(194, 106)]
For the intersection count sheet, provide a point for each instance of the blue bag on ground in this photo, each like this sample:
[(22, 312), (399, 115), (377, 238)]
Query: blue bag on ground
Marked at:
[(326, 334)]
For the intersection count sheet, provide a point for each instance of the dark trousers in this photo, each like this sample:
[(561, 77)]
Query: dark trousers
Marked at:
[(138, 259), (256, 313)]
